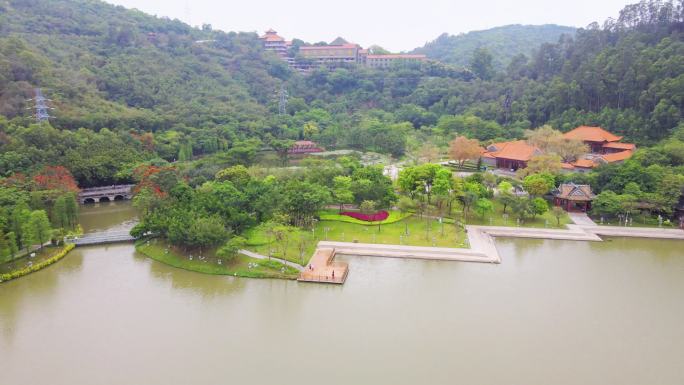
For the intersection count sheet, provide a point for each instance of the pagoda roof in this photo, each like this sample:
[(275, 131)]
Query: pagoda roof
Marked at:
[(574, 192)]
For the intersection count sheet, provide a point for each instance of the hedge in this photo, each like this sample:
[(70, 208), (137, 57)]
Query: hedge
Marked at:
[(376, 217), (394, 216), (38, 266)]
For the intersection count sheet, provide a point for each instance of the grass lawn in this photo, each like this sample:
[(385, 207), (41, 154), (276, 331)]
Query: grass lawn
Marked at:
[(496, 218), (638, 221), (334, 227), (332, 230), (243, 266), (20, 263)]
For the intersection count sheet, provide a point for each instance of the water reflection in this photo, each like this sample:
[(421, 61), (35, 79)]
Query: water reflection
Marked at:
[(116, 215), (123, 318), (206, 286)]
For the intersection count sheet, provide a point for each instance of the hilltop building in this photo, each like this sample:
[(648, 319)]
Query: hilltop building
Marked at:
[(384, 61), (338, 53)]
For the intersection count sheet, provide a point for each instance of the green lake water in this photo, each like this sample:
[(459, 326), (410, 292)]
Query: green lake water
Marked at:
[(554, 312)]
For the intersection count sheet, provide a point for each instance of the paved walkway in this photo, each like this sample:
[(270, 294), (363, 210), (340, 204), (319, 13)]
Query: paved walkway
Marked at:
[(482, 247), (259, 256), (581, 219)]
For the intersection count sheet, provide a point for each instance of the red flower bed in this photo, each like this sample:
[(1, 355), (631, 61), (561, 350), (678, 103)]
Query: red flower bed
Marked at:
[(379, 216)]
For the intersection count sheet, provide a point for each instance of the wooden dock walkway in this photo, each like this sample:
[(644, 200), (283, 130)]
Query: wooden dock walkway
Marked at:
[(322, 268)]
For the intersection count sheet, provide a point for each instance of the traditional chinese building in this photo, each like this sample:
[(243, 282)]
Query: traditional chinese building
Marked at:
[(510, 155), (573, 197), (599, 140), (273, 42)]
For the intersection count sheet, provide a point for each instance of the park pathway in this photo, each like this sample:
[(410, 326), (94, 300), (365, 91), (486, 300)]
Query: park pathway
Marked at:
[(259, 256), (581, 219), (481, 240)]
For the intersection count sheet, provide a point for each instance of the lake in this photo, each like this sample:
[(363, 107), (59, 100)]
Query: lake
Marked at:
[(554, 312)]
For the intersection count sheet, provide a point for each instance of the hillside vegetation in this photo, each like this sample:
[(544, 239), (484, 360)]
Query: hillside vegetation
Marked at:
[(504, 43), (131, 88)]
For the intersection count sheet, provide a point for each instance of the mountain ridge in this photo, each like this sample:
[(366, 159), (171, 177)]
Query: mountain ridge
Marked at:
[(522, 39)]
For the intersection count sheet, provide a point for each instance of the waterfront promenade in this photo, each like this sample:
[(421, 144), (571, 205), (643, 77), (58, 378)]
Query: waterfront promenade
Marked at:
[(481, 240)]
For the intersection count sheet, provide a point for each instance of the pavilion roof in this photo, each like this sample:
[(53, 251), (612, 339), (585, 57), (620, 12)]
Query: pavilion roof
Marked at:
[(574, 192)]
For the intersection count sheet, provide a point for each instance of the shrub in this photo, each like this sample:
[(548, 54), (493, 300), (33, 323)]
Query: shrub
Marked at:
[(38, 266), (379, 216)]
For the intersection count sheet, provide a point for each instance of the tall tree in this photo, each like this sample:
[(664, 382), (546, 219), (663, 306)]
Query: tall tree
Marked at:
[(482, 64), (462, 149)]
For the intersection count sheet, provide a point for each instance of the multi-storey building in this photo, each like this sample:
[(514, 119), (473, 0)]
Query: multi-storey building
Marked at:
[(337, 54), (330, 55), (384, 61), (275, 43)]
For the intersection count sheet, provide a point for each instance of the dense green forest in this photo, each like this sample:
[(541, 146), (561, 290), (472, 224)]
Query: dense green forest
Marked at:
[(504, 43), (158, 86)]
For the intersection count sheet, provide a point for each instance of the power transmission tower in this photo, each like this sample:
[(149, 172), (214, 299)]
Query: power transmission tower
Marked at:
[(282, 101), (40, 106)]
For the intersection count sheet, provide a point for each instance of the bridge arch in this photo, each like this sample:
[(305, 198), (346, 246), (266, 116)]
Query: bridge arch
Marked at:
[(106, 193)]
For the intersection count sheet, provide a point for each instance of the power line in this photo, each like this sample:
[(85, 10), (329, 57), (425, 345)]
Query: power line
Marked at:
[(282, 100), (40, 106)]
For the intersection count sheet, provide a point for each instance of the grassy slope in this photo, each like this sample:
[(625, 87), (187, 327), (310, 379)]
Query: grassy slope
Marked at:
[(156, 249)]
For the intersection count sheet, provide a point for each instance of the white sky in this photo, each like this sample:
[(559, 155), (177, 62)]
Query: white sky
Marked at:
[(395, 25)]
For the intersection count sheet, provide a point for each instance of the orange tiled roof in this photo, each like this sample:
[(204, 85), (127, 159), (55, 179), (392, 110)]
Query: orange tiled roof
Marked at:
[(617, 157), (620, 146), (515, 150), (567, 166), (591, 134), (584, 163)]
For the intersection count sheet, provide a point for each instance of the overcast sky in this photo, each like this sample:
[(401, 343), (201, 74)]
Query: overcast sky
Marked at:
[(394, 24)]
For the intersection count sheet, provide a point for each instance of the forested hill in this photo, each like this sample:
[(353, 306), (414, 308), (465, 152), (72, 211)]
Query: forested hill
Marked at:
[(106, 66), (503, 43), (132, 88)]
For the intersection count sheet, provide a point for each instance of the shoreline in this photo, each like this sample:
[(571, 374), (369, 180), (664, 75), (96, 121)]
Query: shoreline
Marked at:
[(6, 277), (243, 266)]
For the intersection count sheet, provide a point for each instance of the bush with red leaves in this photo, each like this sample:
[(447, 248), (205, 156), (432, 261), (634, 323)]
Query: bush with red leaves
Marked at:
[(55, 178), (376, 217)]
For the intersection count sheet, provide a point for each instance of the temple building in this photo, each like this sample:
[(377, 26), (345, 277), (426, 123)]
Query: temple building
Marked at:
[(509, 155), (273, 42), (599, 140), (604, 148), (573, 197)]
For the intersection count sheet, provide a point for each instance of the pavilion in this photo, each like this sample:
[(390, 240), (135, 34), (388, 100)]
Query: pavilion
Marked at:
[(573, 197)]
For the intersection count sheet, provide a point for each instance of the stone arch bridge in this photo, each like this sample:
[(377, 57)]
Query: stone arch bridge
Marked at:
[(106, 193)]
